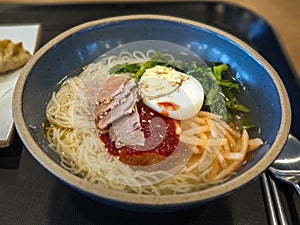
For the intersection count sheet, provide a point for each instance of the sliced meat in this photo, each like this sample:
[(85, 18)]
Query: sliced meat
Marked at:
[(91, 92), (116, 106), (119, 111), (119, 99), (127, 131), (112, 87)]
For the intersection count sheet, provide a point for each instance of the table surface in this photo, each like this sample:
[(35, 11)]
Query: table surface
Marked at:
[(30, 195)]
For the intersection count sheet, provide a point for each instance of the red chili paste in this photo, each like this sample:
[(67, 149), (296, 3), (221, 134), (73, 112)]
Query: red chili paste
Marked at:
[(168, 105), (161, 140)]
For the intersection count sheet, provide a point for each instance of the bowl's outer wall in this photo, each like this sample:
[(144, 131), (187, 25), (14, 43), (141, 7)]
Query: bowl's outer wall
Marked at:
[(69, 56)]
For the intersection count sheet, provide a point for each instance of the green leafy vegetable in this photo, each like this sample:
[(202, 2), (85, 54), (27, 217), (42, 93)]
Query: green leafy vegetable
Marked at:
[(214, 99), (246, 125), (142, 70), (138, 70), (218, 91), (124, 68), (229, 84), (219, 69), (232, 101)]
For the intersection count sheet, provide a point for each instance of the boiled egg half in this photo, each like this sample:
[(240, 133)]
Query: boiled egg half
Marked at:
[(171, 93)]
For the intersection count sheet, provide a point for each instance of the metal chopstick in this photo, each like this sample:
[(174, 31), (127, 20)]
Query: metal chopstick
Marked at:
[(269, 200), (273, 200), (280, 209)]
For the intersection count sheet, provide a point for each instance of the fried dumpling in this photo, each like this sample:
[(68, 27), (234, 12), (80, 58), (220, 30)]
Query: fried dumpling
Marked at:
[(12, 56)]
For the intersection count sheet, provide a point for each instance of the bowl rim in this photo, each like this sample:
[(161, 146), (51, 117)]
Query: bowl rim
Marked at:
[(150, 200)]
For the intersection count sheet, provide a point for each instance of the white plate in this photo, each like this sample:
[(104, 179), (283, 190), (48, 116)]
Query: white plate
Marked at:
[(29, 36)]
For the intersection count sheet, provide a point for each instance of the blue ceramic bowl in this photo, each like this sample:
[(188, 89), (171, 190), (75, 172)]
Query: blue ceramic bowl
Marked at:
[(67, 53)]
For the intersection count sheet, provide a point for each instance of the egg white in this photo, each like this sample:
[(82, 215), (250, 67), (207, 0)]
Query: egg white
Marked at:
[(179, 100)]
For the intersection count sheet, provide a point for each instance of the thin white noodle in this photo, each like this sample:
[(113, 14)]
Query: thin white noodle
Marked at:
[(72, 135)]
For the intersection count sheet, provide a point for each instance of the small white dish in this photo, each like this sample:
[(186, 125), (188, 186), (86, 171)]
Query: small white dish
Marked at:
[(29, 35)]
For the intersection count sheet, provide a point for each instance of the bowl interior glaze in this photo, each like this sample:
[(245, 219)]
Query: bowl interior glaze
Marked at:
[(69, 52)]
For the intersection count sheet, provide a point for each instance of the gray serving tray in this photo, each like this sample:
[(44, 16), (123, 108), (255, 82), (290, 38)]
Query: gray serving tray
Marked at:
[(30, 195)]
